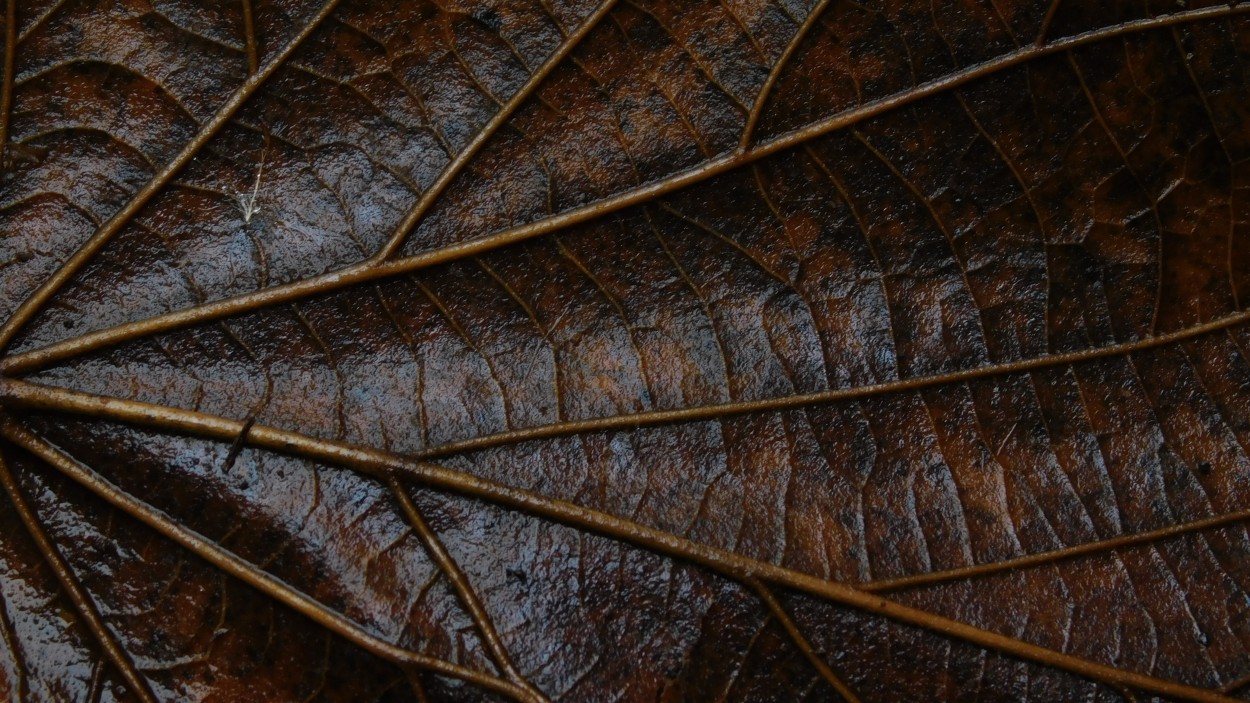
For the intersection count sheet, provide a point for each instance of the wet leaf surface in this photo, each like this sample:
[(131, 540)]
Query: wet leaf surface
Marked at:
[(656, 350)]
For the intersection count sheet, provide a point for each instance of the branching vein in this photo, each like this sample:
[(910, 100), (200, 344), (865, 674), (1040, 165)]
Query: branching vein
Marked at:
[(761, 100), (385, 466), (74, 590), (466, 155), (79, 258), (792, 402), (377, 268), (246, 572), (1055, 555), (399, 472), (792, 629), (460, 584)]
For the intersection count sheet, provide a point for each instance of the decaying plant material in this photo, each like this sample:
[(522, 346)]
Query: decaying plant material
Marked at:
[(651, 350)]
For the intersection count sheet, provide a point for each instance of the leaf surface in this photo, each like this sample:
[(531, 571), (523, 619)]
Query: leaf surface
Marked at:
[(650, 350)]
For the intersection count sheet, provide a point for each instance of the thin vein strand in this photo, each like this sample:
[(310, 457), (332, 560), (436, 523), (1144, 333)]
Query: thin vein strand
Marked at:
[(1236, 684), (449, 173), (1055, 555), (1046, 22), (74, 590), (460, 584), (383, 465), (375, 269), (33, 304), (792, 402), (761, 100), (800, 640), (239, 568), (414, 684)]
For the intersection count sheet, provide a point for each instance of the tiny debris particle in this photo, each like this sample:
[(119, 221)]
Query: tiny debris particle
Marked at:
[(248, 201)]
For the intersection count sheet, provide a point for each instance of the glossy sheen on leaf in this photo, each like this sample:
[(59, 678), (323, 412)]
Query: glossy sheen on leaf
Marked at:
[(651, 350)]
